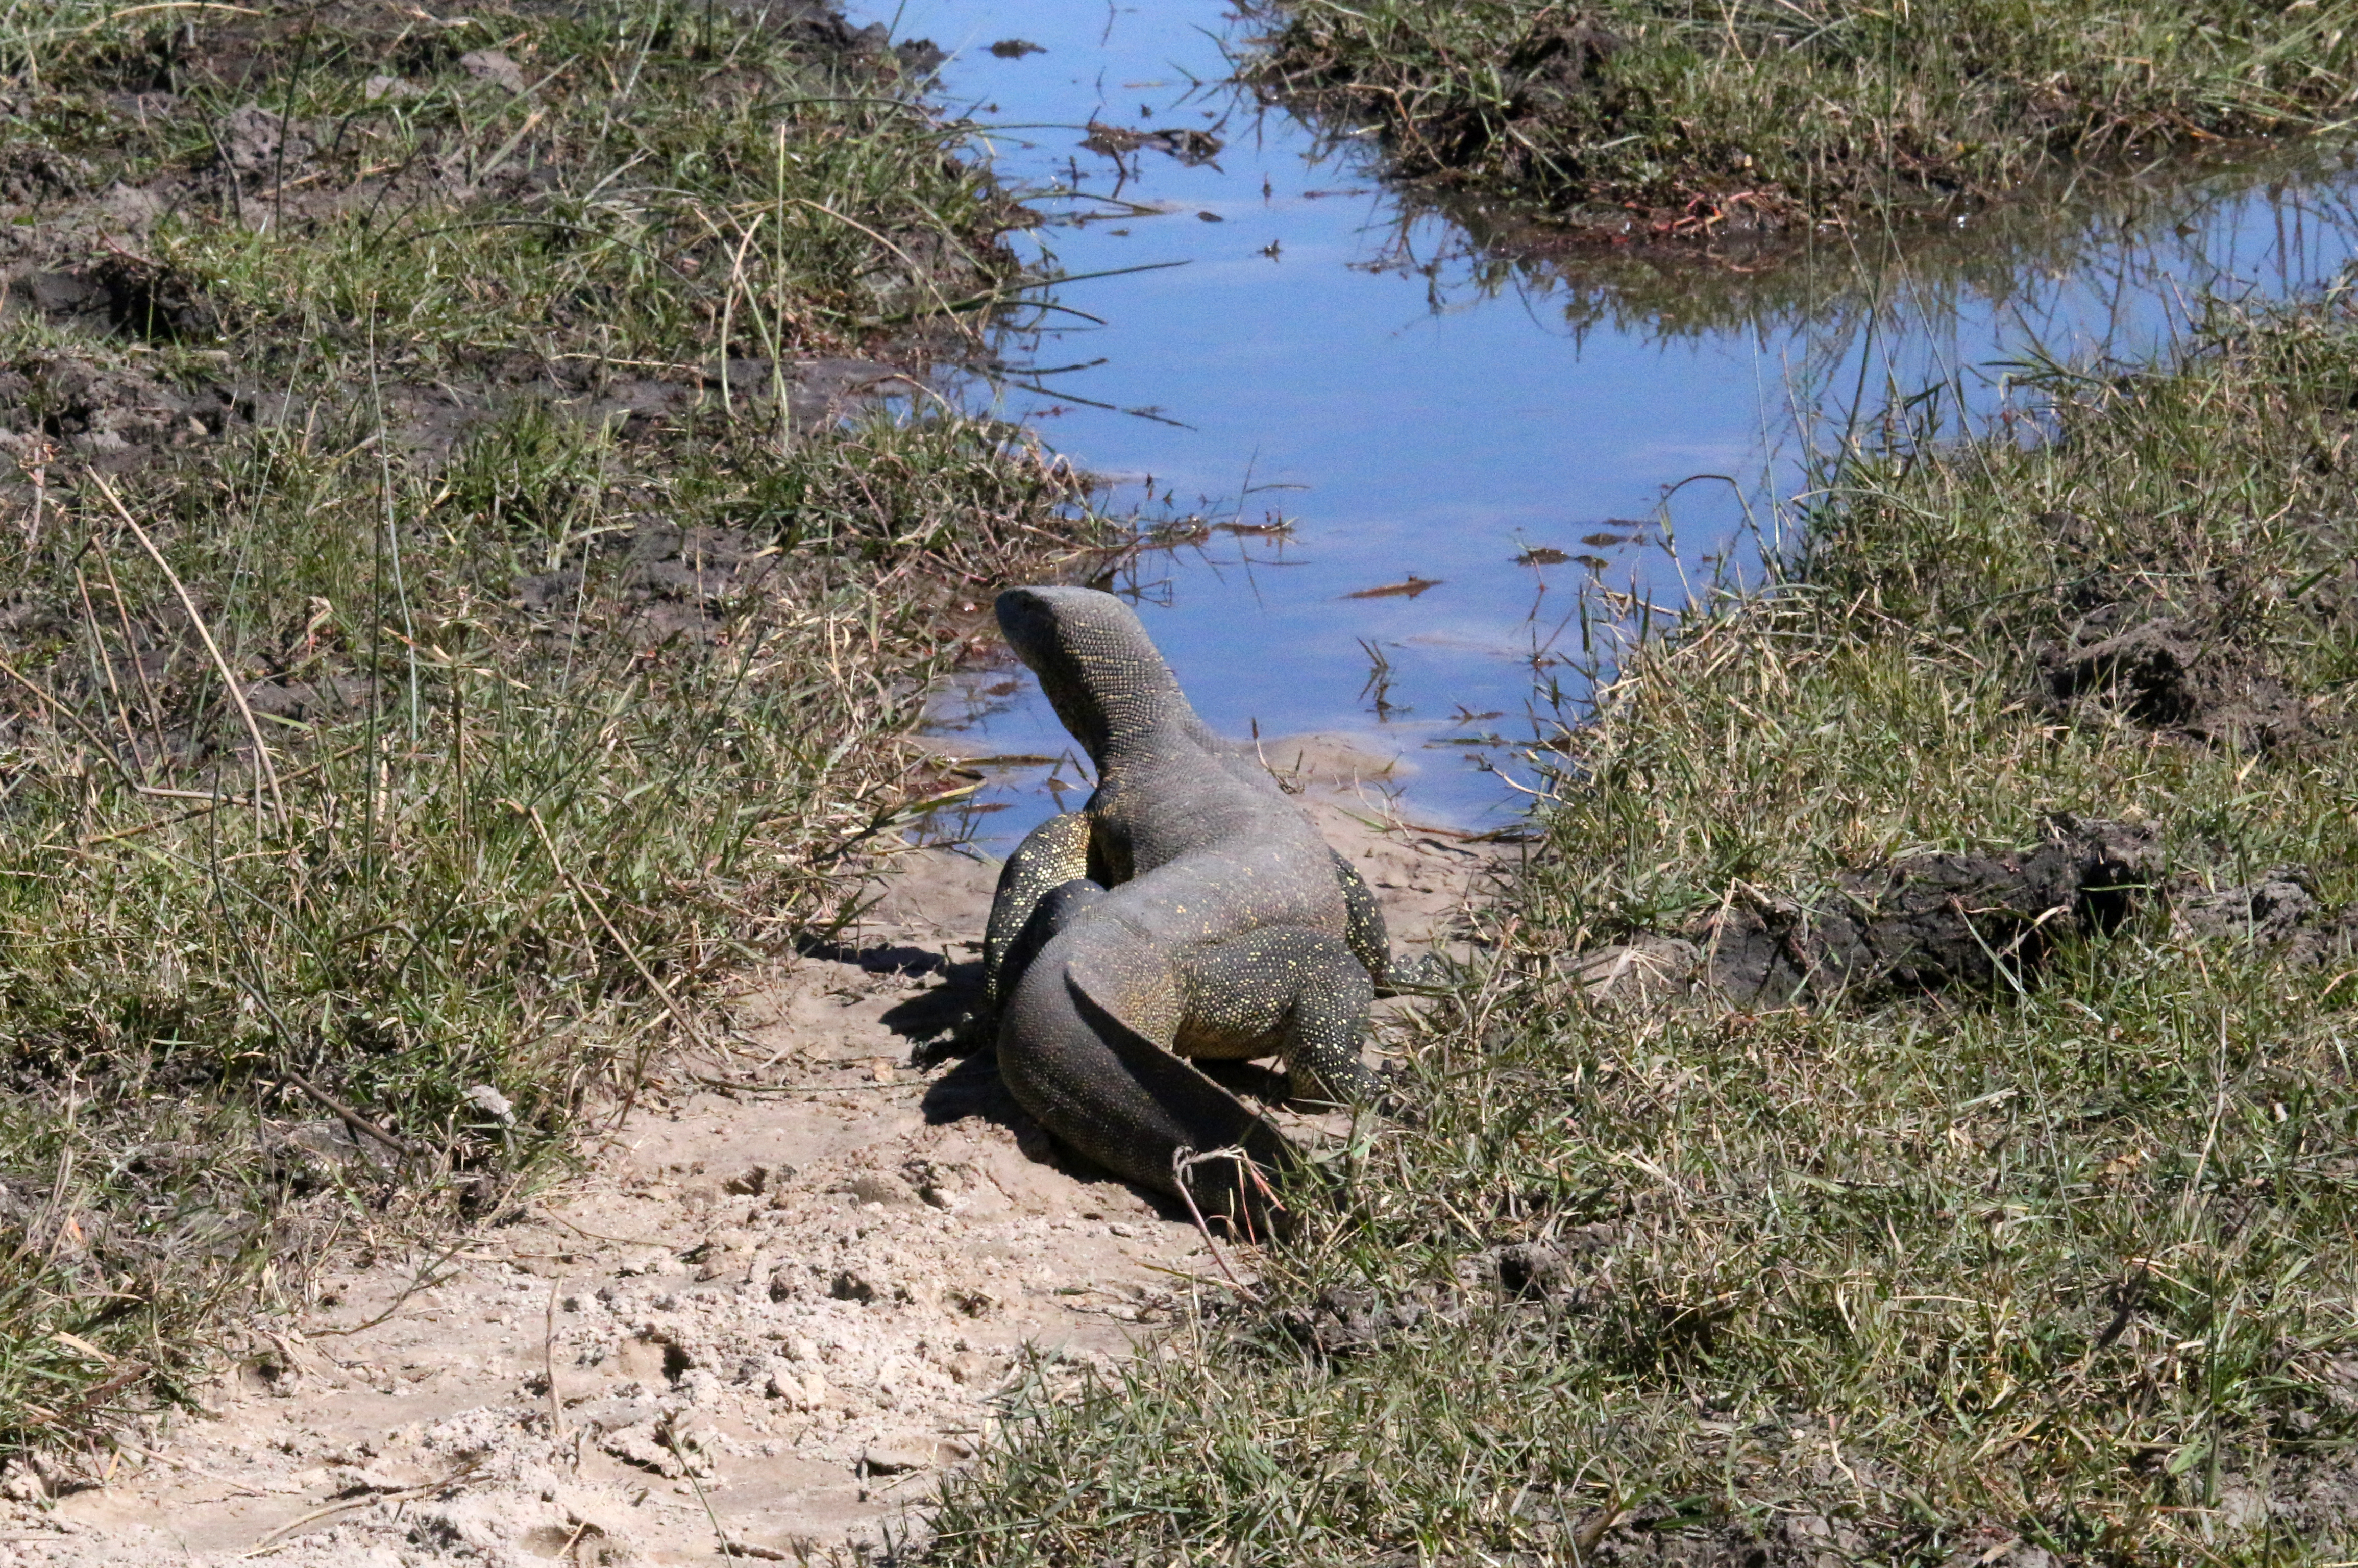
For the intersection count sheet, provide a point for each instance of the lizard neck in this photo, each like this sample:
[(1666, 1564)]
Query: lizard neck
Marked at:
[(1124, 709), (1102, 674)]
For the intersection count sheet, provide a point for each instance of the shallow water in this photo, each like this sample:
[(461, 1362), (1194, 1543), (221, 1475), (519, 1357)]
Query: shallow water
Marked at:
[(1357, 370)]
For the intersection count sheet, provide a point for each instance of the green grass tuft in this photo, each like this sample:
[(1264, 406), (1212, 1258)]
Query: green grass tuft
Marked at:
[(1643, 118)]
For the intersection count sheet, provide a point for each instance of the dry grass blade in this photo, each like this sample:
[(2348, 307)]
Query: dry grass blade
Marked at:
[(235, 687), (280, 1536)]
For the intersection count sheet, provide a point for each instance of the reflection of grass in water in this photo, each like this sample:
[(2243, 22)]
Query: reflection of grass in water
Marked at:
[(2066, 1264), (2112, 241), (534, 731), (1668, 117), (1912, 313)]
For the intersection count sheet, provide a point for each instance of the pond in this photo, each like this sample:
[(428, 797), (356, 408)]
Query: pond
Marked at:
[(1339, 391)]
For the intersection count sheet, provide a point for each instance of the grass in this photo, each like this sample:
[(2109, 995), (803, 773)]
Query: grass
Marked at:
[(394, 746), (1638, 119), (2059, 1271)]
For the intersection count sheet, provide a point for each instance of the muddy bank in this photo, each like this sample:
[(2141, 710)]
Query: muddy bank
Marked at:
[(1930, 923), (199, 212)]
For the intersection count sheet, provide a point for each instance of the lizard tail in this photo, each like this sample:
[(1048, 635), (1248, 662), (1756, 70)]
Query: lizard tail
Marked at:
[(1080, 1053)]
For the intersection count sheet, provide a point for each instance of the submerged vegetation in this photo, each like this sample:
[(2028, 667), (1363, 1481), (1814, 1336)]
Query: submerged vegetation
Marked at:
[(449, 610), (1652, 118), (2053, 1265)]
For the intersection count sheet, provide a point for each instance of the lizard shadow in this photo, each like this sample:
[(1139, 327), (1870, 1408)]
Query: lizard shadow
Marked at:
[(929, 1020)]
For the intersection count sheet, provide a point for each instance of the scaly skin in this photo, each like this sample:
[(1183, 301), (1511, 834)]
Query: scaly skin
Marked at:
[(1190, 909)]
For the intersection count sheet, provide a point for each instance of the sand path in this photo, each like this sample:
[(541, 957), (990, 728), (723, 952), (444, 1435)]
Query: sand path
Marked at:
[(771, 1317)]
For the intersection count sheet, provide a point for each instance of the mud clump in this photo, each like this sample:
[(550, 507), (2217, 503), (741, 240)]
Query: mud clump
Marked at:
[(31, 174), (327, 699), (1567, 1268), (2178, 674), (2277, 913), (1920, 923), (253, 141), (107, 413), (1347, 1321), (1556, 64), (2201, 662)]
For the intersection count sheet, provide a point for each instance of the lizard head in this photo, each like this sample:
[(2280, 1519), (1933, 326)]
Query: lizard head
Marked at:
[(1099, 667)]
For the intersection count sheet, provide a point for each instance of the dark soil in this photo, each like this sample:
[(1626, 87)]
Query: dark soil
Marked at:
[(112, 416), (2279, 912), (2198, 660), (2180, 674), (1921, 924)]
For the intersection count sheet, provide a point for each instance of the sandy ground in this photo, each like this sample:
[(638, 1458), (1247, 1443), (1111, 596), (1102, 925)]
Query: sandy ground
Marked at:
[(768, 1319)]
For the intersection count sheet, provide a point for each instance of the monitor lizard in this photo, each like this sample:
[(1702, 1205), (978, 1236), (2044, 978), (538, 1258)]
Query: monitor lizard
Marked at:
[(1188, 909)]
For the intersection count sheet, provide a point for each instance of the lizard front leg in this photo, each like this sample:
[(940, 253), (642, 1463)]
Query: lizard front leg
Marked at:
[(1364, 931), (1055, 853)]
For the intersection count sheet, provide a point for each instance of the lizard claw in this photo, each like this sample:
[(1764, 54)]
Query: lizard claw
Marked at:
[(975, 1030), (1427, 974)]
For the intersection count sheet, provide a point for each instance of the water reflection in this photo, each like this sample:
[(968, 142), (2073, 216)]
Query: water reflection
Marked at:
[(1343, 391), (2086, 265)]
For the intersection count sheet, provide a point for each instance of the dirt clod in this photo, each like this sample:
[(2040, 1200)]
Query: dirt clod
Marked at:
[(255, 141), (1924, 922), (2200, 660), (2278, 912), (110, 414), (494, 66), (892, 1458)]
